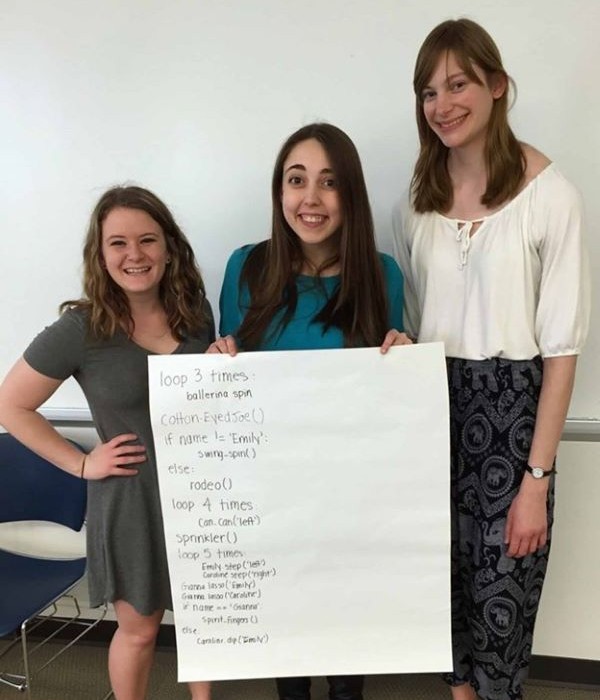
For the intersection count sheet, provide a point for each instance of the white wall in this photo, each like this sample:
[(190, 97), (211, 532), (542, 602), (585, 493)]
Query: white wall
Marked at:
[(193, 100), (570, 608)]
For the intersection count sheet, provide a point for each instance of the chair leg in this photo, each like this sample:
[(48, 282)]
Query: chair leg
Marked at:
[(22, 682), (26, 661), (13, 680)]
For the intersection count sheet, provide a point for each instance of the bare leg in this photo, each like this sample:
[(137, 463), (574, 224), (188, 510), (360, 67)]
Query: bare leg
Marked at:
[(463, 692), (132, 651), (200, 690)]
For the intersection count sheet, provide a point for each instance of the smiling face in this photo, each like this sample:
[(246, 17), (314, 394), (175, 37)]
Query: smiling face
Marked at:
[(458, 108), (310, 200), (134, 250)]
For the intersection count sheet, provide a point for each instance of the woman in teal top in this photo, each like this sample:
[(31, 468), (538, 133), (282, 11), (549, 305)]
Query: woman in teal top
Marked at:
[(300, 333), (317, 283)]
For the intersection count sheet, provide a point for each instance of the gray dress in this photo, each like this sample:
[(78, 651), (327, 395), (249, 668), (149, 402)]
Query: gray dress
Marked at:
[(125, 543)]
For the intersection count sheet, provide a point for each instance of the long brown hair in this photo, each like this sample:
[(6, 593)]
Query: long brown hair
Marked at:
[(359, 306), (181, 290), (431, 185)]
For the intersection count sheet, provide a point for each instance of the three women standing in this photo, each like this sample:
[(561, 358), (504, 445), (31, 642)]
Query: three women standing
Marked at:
[(490, 242)]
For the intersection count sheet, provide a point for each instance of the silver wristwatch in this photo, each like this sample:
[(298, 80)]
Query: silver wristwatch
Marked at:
[(538, 472)]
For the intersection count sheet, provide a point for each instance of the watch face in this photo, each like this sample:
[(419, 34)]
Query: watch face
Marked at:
[(537, 473)]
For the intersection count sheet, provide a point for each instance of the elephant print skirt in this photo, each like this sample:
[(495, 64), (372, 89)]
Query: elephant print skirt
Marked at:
[(494, 597)]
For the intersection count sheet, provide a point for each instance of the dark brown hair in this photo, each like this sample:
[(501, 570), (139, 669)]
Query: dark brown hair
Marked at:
[(359, 306), (431, 185), (181, 289)]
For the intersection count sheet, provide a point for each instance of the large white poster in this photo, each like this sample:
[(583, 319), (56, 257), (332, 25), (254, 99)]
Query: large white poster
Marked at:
[(306, 505)]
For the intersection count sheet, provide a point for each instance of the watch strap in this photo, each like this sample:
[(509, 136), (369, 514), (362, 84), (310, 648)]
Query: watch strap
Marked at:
[(538, 472)]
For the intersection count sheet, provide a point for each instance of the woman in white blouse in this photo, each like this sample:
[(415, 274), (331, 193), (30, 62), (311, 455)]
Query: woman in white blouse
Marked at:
[(490, 243)]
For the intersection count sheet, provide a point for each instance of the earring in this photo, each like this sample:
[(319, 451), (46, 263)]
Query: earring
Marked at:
[(168, 261)]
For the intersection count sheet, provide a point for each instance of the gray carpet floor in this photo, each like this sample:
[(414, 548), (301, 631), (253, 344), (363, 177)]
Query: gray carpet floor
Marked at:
[(80, 674)]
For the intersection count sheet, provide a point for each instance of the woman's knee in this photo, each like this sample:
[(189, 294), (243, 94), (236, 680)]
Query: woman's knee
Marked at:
[(139, 629)]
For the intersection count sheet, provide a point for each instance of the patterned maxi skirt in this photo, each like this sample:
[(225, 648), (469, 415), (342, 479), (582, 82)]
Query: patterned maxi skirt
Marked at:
[(494, 597)]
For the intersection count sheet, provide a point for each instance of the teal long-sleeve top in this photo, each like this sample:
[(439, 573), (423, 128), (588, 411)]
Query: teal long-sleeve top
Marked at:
[(301, 333)]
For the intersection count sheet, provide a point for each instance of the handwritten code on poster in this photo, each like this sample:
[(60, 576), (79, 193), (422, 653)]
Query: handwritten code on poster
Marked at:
[(306, 510)]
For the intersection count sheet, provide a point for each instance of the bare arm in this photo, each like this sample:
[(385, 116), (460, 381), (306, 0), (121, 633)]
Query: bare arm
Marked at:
[(23, 391), (526, 528)]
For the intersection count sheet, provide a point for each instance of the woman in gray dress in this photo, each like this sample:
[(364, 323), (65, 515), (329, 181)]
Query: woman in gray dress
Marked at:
[(143, 295)]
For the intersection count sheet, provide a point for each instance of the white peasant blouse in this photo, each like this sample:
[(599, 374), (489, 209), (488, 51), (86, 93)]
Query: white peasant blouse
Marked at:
[(518, 287)]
